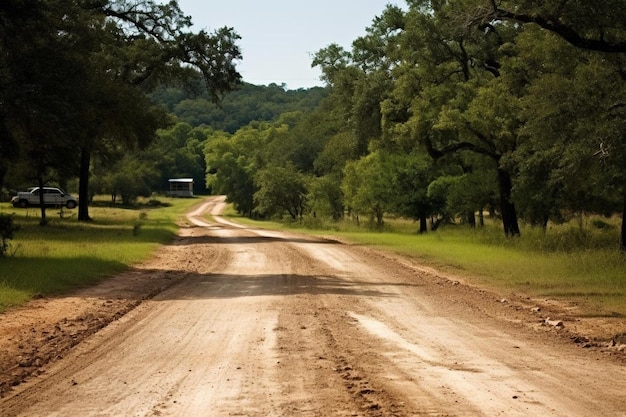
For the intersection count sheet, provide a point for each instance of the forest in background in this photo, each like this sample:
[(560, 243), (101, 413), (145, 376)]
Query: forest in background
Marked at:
[(442, 111), (239, 108)]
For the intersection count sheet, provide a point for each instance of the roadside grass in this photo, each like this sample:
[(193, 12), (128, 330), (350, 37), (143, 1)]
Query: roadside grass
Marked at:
[(566, 263), (68, 254)]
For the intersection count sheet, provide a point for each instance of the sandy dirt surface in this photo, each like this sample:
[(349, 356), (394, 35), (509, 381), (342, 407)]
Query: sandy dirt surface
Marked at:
[(234, 321)]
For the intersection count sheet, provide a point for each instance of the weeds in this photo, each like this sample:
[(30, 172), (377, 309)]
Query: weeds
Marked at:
[(7, 232)]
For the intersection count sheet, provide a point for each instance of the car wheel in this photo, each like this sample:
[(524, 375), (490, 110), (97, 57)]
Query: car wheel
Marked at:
[(70, 204), (22, 203)]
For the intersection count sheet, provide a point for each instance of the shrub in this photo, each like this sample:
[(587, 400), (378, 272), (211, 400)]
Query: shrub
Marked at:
[(601, 224), (7, 229)]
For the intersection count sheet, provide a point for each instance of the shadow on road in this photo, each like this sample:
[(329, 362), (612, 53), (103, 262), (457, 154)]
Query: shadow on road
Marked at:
[(208, 286), (225, 240)]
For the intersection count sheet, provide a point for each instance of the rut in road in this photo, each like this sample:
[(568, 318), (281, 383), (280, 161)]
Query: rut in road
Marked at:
[(273, 324)]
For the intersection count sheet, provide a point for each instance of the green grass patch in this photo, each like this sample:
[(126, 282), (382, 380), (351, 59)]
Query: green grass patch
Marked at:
[(566, 262), (66, 254)]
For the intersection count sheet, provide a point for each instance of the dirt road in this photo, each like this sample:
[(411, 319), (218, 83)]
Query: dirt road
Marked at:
[(258, 323)]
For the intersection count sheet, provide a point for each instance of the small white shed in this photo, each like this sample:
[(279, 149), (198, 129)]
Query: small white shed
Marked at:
[(181, 187)]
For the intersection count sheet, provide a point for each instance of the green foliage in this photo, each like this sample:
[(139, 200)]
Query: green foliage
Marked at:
[(129, 179), (239, 108), (368, 187), (280, 189), (325, 198), (543, 116), (339, 149), (413, 174), (231, 166), (513, 118), (296, 139), (595, 26), (178, 152), (573, 136)]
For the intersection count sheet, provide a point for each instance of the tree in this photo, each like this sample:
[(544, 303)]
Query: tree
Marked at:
[(281, 189), (127, 121), (600, 29), (107, 55), (130, 178), (368, 186), (412, 174), (573, 155), (449, 95), (7, 231), (238, 108), (149, 43), (178, 152), (594, 26), (325, 198), (36, 99), (13, 19), (231, 166), (356, 93)]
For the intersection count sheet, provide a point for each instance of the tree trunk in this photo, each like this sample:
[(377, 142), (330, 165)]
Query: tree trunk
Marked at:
[(471, 219), (507, 208), (3, 171), (83, 186), (622, 244), (378, 212), (423, 224), (43, 221)]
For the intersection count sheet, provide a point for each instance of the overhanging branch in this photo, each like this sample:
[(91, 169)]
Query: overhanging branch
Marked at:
[(566, 32)]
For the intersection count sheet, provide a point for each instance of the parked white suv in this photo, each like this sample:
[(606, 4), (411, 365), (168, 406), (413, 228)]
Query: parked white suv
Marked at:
[(51, 197)]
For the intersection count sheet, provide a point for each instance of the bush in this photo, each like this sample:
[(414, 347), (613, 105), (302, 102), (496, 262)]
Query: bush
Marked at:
[(7, 229), (601, 224), (153, 202)]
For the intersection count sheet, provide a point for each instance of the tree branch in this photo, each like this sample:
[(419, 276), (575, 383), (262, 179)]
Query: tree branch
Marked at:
[(459, 146), (566, 32)]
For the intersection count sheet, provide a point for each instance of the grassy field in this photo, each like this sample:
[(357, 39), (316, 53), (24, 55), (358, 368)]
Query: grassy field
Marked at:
[(67, 254), (582, 265)]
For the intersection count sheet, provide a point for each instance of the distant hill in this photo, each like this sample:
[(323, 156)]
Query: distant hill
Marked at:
[(249, 103)]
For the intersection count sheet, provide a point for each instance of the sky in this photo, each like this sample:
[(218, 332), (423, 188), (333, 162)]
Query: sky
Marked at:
[(280, 37)]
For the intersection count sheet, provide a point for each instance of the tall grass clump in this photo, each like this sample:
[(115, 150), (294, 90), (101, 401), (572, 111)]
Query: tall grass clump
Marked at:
[(67, 254), (7, 232)]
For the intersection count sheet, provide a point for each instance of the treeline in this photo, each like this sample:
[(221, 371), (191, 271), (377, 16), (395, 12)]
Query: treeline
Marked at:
[(442, 110), (445, 109), (178, 150), (116, 97)]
